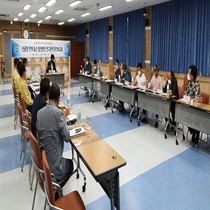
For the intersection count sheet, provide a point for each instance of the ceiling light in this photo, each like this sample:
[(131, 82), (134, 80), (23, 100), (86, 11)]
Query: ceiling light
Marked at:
[(33, 16), (104, 8), (128, 0), (20, 14), (26, 20), (61, 23), (59, 11), (50, 2), (11, 22), (85, 14), (15, 19), (75, 3), (40, 21), (72, 19), (27, 6), (42, 9), (48, 17)]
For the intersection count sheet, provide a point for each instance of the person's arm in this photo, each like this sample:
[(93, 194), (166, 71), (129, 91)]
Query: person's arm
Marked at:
[(150, 85), (174, 88), (129, 76), (54, 67), (26, 95), (48, 67)]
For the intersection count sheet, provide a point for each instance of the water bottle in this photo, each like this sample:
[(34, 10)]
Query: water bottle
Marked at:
[(68, 101), (119, 79), (79, 115), (167, 90), (196, 100)]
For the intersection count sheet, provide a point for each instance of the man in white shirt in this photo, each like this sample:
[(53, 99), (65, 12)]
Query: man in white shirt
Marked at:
[(140, 78)]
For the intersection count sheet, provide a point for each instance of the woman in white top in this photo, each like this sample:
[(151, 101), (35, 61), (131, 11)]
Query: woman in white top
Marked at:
[(140, 78)]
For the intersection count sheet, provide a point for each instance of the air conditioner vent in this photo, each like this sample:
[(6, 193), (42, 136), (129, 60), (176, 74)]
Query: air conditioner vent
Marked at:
[(4, 15), (81, 9)]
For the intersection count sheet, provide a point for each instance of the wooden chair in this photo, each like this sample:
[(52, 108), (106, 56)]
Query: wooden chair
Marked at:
[(181, 92), (16, 100), (71, 201), (205, 97), (112, 76)]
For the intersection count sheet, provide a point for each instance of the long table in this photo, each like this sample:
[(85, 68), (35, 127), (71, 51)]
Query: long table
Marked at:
[(102, 161), (196, 117), (155, 103), (124, 93)]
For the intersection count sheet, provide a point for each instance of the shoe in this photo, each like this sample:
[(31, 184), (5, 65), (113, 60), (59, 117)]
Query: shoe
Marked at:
[(156, 124), (172, 128), (144, 119), (122, 110)]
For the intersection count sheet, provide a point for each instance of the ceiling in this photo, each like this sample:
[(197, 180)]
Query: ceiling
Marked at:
[(10, 9)]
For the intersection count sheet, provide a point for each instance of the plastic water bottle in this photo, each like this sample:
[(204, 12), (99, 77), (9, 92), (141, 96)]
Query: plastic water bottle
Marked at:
[(68, 101), (167, 90), (119, 79), (196, 100), (79, 115)]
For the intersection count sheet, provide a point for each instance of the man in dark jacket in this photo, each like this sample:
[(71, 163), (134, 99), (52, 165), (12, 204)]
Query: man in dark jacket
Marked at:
[(88, 66)]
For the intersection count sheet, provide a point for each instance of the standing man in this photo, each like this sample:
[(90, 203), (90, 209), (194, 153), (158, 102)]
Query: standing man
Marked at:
[(51, 64), (40, 102), (52, 131), (88, 66)]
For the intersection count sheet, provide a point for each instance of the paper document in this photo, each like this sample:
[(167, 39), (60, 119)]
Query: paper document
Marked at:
[(77, 132)]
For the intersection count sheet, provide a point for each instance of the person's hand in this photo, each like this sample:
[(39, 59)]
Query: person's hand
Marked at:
[(66, 111)]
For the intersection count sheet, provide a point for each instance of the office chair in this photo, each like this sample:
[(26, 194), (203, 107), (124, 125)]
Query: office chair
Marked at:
[(71, 201)]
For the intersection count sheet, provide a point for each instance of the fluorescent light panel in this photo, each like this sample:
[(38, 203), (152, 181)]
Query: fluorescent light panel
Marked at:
[(27, 6), (128, 0), (26, 20), (61, 23), (75, 3), (104, 8), (42, 9), (20, 14), (59, 11), (50, 2), (15, 19), (33, 16), (72, 19), (48, 17), (85, 14), (40, 21)]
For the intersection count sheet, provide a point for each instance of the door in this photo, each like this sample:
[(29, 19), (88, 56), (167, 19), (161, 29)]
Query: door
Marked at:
[(77, 56)]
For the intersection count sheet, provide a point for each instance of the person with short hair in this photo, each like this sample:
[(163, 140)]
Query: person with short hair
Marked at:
[(40, 102), (126, 73), (193, 90), (23, 88), (117, 73), (51, 65), (156, 81), (52, 132), (140, 78), (88, 66), (96, 68), (25, 62)]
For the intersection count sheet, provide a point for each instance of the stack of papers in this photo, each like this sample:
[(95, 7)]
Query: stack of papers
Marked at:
[(77, 132)]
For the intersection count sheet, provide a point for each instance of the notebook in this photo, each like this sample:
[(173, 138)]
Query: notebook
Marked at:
[(77, 132)]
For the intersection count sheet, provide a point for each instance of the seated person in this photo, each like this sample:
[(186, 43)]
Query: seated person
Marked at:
[(193, 90), (170, 80), (140, 78), (51, 65), (127, 77), (23, 88), (16, 75), (96, 69), (88, 66), (117, 73), (25, 62), (155, 84), (40, 102), (52, 131)]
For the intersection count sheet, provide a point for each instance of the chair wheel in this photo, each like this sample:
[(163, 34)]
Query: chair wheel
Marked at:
[(177, 143), (77, 175), (138, 123), (165, 135), (112, 111), (183, 136), (130, 120), (83, 188)]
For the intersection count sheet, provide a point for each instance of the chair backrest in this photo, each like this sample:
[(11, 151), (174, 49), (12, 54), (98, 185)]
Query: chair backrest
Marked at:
[(181, 92), (48, 179), (185, 82), (20, 114), (22, 103), (36, 155), (112, 76), (28, 119), (205, 97)]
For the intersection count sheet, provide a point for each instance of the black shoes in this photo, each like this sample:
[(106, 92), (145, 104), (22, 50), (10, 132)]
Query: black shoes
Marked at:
[(156, 124), (144, 119)]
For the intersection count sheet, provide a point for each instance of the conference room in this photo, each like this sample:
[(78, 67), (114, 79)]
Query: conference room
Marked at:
[(127, 81)]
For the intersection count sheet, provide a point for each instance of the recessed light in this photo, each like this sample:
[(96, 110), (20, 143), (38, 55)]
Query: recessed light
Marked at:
[(50, 2), (27, 6), (128, 0), (48, 17), (15, 19), (75, 3), (20, 14), (40, 21), (26, 20), (72, 19), (104, 8), (33, 16), (59, 11), (61, 23), (42, 9), (85, 14)]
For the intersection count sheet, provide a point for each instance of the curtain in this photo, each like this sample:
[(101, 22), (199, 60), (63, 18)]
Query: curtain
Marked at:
[(81, 32), (99, 40), (180, 35), (129, 38)]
